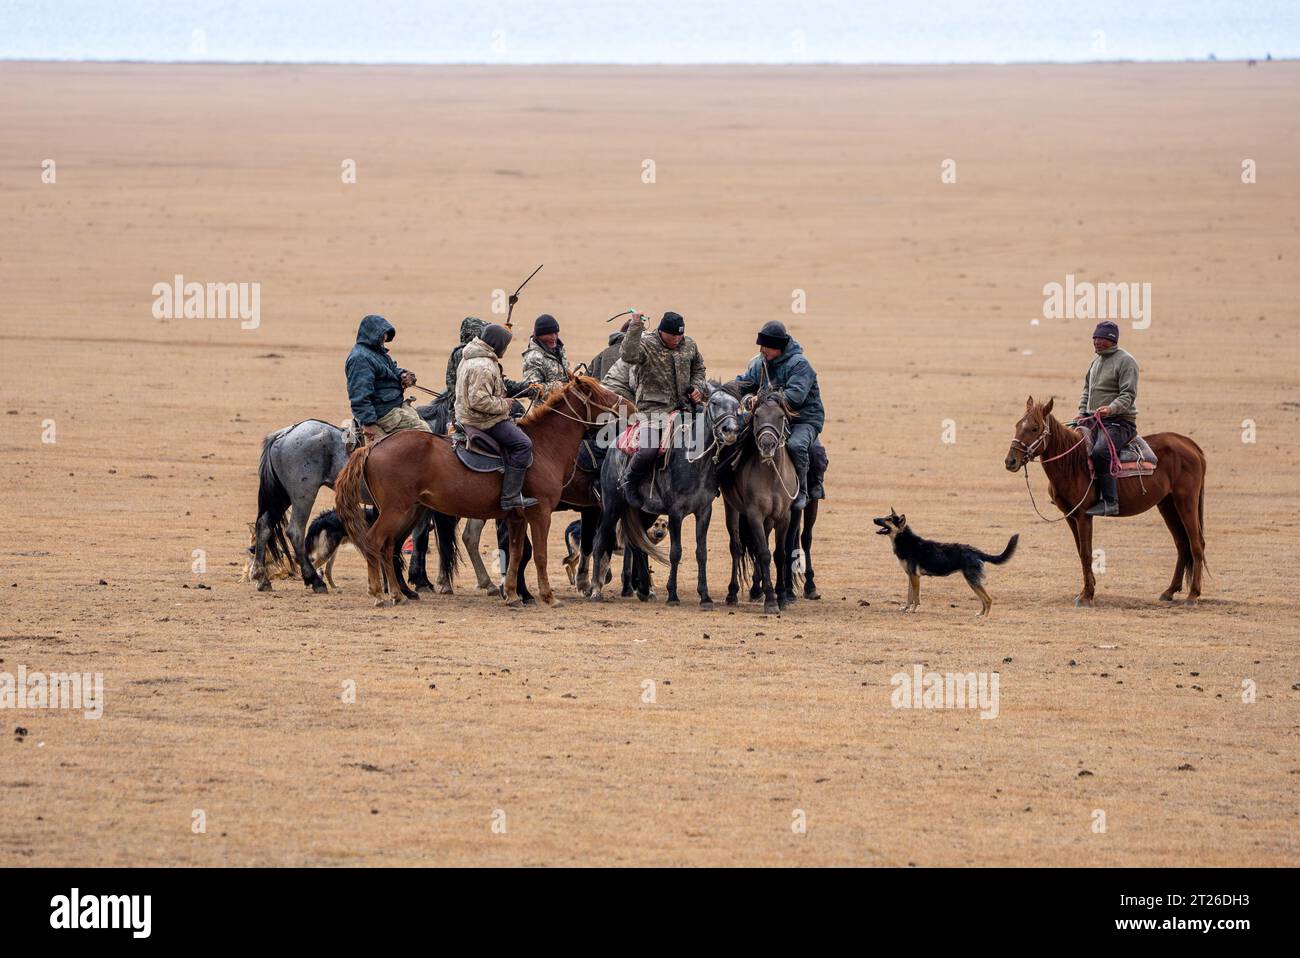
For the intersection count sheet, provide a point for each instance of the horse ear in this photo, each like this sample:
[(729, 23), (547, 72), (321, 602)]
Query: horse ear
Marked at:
[(1048, 408), (1029, 403)]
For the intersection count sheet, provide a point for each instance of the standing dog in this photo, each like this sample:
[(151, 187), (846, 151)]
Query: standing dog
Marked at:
[(920, 557)]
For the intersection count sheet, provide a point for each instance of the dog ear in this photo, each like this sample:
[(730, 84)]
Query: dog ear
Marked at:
[(902, 521), (1048, 408)]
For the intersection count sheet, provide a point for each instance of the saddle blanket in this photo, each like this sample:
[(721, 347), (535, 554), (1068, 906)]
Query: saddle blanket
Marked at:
[(630, 441), (1136, 458)]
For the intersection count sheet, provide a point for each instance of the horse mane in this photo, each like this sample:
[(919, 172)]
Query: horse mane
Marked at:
[(1066, 436), (540, 409)]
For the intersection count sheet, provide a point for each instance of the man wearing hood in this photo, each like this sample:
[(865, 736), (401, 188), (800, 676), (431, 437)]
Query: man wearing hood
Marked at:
[(545, 361), (376, 384), (606, 358), (781, 364), (470, 327), (483, 401)]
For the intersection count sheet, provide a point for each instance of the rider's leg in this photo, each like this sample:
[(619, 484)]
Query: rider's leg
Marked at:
[(642, 462), (1117, 433), (817, 463), (802, 437), (517, 449)]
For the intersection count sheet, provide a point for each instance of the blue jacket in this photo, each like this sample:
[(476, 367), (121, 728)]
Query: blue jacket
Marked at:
[(794, 376), (374, 380)]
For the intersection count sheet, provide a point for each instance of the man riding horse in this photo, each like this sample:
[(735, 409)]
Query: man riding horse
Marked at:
[(670, 375), (376, 384), (545, 361), (483, 400), (781, 364), (470, 327), (1110, 398)]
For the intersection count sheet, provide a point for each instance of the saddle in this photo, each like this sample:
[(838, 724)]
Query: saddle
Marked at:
[(1136, 458), (477, 450)]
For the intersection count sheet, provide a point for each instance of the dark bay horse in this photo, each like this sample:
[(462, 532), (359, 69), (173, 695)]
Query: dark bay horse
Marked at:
[(411, 470), (1176, 488), (758, 495)]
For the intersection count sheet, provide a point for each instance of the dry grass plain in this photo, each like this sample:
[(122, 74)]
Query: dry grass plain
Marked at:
[(919, 297)]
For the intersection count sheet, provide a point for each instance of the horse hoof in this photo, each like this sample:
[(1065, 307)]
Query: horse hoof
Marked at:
[(381, 603), (1166, 597), (771, 608), (413, 596), (595, 597), (811, 594), (319, 588), (528, 600), (731, 600), (783, 605), (672, 601), (264, 587), (1082, 602), (1192, 600), (706, 605)]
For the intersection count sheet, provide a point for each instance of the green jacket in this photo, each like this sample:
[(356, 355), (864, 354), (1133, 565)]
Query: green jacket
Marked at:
[(1111, 380), (664, 377)]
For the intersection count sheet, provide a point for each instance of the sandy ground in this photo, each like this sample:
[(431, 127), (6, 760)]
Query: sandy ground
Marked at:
[(468, 715)]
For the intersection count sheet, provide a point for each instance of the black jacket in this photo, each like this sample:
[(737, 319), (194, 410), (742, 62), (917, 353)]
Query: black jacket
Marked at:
[(374, 380)]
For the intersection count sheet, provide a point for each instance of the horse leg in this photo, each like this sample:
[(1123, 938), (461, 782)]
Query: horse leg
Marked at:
[(784, 565), (737, 554), (379, 549), (1169, 512), (1189, 510), (471, 536), (539, 523), (674, 556), (298, 537), (758, 529), (514, 558), (263, 533), (587, 536), (702, 519), (418, 569), (809, 520), (1083, 538), (606, 537), (417, 516)]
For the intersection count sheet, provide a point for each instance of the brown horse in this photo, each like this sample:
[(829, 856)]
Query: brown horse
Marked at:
[(1176, 488), (411, 469)]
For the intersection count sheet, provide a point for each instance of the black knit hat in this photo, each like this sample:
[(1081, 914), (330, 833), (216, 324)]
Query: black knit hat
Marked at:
[(545, 324), (498, 337), (673, 324), (773, 335), (1106, 330)]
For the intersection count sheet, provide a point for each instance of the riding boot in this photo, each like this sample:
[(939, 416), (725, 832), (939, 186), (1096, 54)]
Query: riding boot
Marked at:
[(512, 485), (1108, 504), (636, 472), (801, 500)]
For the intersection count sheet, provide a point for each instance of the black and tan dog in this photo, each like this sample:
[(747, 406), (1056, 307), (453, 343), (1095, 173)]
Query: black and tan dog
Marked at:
[(920, 557)]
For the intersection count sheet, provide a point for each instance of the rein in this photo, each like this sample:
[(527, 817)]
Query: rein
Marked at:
[(1031, 453)]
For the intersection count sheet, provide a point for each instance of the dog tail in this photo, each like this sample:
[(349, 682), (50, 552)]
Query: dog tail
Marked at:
[(1007, 553)]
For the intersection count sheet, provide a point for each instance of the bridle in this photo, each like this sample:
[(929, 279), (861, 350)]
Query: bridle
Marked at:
[(587, 403), (1032, 450), (782, 433), (716, 427)]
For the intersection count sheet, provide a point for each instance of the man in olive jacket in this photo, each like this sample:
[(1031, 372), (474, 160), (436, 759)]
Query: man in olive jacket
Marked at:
[(545, 361), (376, 384), (470, 327), (1109, 389), (483, 401), (781, 365), (669, 375)]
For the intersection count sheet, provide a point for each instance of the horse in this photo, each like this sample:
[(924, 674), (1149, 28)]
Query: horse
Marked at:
[(758, 496), (692, 485), (1176, 488), (296, 462), (413, 470)]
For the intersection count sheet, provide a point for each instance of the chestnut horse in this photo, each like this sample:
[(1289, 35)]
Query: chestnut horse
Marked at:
[(1176, 488), (412, 469)]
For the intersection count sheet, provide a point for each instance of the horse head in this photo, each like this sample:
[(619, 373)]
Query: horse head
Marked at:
[(722, 411), (771, 423), (1032, 434)]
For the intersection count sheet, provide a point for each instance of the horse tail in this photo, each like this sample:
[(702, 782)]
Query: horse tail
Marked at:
[(444, 528), (748, 551), (347, 500), (273, 499), (634, 534), (1007, 553), (1200, 513)]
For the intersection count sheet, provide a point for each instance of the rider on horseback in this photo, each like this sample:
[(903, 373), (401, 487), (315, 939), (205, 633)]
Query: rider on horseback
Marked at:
[(545, 361), (483, 401), (782, 365), (669, 376), (376, 383), (1110, 397), (470, 327)]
